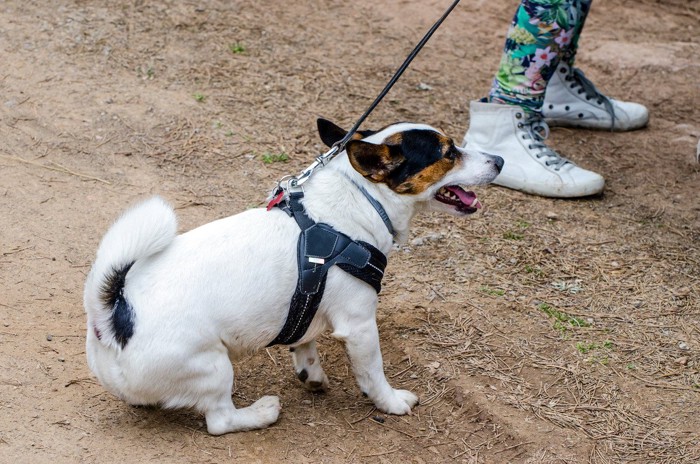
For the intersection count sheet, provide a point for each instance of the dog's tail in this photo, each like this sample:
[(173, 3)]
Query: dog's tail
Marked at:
[(141, 231)]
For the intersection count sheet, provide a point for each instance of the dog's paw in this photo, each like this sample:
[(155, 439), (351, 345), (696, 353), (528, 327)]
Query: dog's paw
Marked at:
[(400, 403), (267, 409)]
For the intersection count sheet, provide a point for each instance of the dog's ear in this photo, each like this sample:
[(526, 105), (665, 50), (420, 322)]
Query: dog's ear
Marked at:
[(375, 162), (329, 132)]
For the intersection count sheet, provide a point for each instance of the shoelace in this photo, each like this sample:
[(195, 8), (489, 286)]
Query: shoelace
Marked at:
[(537, 130), (579, 79)]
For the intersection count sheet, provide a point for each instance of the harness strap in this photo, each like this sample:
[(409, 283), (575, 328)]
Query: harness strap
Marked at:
[(377, 206), (318, 249)]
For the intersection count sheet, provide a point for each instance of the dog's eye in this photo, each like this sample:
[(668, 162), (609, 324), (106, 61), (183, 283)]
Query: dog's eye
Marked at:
[(452, 153)]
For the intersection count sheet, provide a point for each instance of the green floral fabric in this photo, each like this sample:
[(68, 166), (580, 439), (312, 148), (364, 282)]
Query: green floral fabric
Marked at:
[(543, 33)]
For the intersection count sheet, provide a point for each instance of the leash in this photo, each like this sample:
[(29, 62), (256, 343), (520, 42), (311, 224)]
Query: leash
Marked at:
[(295, 182)]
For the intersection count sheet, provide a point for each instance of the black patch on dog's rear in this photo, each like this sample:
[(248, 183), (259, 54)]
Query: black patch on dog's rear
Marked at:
[(112, 295)]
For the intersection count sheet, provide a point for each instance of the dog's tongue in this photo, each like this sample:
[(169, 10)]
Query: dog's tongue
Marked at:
[(468, 198)]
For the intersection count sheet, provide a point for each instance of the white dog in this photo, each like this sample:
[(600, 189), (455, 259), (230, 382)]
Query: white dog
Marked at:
[(166, 313)]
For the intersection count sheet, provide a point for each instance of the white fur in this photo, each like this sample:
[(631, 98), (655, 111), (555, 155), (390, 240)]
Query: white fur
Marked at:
[(224, 289)]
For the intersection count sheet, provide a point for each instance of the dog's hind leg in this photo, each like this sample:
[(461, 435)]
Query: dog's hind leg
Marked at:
[(307, 366), (220, 413)]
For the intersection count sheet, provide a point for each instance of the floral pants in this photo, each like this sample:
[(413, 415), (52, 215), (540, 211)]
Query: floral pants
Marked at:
[(543, 33)]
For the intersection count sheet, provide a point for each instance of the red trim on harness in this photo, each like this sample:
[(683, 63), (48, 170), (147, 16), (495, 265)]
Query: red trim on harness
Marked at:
[(275, 201)]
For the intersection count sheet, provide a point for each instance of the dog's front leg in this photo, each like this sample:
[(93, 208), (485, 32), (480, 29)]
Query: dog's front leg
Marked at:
[(307, 366), (362, 344)]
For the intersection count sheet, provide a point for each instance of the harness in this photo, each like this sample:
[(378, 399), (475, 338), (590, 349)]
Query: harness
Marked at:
[(319, 247)]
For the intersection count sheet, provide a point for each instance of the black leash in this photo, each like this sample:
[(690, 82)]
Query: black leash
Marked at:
[(322, 160), (396, 76)]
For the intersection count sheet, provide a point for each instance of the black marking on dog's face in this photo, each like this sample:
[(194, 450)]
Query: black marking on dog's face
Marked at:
[(408, 162), (112, 296), (331, 133), (303, 375)]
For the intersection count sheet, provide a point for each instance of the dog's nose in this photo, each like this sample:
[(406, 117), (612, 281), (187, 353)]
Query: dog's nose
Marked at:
[(498, 161)]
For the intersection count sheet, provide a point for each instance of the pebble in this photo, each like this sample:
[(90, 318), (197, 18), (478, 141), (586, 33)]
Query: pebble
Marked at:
[(683, 360), (49, 337), (683, 292), (683, 346), (551, 215)]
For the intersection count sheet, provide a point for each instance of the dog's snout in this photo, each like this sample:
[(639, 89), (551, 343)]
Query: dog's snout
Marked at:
[(497, 161)]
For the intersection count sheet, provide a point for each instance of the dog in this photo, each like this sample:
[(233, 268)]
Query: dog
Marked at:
[(167, 313)]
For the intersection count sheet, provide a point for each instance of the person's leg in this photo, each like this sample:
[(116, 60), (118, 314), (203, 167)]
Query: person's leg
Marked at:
[(569, 51), (542, 33), (510, 124)]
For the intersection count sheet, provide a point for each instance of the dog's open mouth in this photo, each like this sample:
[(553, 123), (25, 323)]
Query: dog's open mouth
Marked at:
[(464, 201)]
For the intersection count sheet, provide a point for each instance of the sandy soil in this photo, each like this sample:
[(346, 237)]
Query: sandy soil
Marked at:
[(538, 331)]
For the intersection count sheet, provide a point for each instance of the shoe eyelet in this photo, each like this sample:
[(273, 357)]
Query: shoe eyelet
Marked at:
[(519, 115), (520, 125), (529, 147), (588, 98), (562, 70), (566, 108), (551, 107), (522, 137), (580, 115)]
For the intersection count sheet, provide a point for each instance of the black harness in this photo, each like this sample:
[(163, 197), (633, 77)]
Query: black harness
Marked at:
[(320, 247)]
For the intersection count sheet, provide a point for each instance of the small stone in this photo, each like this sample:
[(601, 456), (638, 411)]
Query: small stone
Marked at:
[(424, 86), (551, 215), (683, 361), (49, 337), (614, 264), (379, 419), (683, 292), (683, 346), (61, 359), (6, 324)]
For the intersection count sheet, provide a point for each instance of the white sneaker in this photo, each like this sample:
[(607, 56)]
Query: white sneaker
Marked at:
[(572, 100), (530, 166)]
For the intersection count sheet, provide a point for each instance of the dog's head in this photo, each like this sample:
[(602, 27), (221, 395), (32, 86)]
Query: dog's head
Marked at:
[(418, 160)]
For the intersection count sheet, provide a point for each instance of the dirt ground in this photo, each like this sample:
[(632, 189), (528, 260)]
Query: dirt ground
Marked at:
[(536, 331)]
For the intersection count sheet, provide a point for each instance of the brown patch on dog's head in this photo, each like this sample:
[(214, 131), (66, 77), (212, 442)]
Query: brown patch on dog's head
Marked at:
[(408, 162)]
